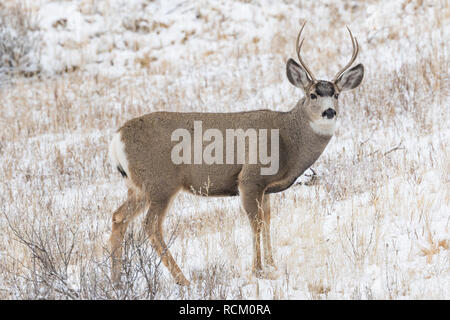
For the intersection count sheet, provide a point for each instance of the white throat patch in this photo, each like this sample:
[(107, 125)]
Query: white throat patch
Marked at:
[(324, 127)]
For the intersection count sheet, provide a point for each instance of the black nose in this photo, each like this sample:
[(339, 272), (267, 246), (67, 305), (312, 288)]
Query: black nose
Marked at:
[(329, 113)]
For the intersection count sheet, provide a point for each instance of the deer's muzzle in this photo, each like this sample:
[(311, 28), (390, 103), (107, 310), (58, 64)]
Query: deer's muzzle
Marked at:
[(329, 113)]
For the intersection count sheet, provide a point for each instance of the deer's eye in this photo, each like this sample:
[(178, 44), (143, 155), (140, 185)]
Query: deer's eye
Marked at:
[(313, 96), (336, 95)]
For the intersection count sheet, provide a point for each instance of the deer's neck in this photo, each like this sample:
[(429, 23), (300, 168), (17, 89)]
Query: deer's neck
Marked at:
[(304, 144), (305, 137)]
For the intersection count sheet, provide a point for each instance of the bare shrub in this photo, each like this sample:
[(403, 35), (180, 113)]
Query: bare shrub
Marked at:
[(51, 252), (55, 265), (212, 282), (141, 274), (19, 41)]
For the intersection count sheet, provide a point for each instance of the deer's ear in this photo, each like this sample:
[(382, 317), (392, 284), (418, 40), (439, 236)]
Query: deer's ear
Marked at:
[(350, 79), (297, 75)]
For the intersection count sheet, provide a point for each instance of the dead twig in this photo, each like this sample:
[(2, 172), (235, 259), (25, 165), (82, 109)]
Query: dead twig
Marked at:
[(396, 148)]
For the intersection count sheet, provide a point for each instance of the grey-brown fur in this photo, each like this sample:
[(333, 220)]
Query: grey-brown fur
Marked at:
[(325, 88), (154, 179), (155, 129)]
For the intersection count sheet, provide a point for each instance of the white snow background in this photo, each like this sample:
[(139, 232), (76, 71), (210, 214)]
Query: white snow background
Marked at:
[(373, 225)]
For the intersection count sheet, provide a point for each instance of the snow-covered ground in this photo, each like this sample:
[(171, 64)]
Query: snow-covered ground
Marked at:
[(374, 225)]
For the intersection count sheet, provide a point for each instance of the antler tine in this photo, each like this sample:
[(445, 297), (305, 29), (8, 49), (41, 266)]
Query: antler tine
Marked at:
[(299, 47), (355, 46)]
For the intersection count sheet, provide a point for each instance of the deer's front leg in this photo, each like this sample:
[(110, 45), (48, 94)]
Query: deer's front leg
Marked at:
[(268, 257), (251, 197)]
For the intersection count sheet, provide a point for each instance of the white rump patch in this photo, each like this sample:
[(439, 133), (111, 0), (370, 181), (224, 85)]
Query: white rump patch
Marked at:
[(117, 153), (324, 127)]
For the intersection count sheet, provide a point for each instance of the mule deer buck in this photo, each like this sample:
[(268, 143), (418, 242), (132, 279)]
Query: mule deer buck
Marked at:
[(142, 148)]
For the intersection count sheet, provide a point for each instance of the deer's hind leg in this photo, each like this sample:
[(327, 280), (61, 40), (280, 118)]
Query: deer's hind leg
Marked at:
[(153, 226), (120, 220)]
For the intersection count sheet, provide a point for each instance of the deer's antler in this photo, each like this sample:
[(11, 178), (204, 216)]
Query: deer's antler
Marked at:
[(299, 47), (353, 58)]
